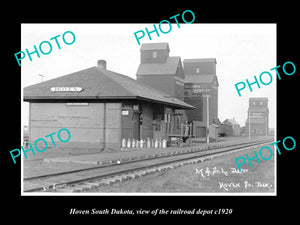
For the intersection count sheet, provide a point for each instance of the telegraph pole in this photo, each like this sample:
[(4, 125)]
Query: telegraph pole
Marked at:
[(207, 118)]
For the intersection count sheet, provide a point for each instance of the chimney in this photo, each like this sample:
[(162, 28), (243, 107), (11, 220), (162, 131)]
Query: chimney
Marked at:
[(101, 64)]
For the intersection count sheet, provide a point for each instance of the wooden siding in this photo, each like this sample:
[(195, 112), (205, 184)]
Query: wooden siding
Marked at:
[(85, 122), (113, 125)]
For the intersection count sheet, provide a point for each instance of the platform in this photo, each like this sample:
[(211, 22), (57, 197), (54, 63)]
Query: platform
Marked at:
[(136, 153), (130, 154)]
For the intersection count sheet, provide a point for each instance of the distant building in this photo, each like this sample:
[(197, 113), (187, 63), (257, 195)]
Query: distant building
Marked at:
[(213, 132), (243, 130), (258, 117), (99, 108), (231, 128), (201, 82)]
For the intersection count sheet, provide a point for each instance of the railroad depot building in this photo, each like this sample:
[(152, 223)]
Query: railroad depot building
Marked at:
[(100, 108)]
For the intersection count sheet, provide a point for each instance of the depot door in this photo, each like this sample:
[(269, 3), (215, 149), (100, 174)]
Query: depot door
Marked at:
[(136, 125)]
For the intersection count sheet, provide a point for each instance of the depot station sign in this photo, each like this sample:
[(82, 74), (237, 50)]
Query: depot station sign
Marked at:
[(66, 89)]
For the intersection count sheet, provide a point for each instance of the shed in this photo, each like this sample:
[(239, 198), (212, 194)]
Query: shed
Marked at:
[(231, 127)]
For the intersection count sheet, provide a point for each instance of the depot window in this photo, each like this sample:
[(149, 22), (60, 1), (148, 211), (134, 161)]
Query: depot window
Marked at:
[(178, 121), (168, 120)]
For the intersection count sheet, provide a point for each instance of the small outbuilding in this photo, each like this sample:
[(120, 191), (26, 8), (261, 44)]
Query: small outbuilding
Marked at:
[(231, 128)]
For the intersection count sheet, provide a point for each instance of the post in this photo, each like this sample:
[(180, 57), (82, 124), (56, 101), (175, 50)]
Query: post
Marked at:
[(141, 129), (207, 117), (104, 126)]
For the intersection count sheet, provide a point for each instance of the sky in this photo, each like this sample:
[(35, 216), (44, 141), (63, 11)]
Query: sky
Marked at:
[(242, 51)]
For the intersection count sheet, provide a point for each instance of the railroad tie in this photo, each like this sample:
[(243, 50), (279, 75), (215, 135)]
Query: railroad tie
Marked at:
[(80, 187), (107, 181), (131, 176), (151, 170), (141, 173), (67, 190), (161, 168), (116, 179), (93, 184)]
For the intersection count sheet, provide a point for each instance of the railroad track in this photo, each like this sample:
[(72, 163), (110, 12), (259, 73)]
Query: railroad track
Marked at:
[(89, 178)]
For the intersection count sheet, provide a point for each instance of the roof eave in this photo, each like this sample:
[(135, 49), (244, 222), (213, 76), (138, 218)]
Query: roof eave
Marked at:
[(178, 106), (29, 98), (49, 98)]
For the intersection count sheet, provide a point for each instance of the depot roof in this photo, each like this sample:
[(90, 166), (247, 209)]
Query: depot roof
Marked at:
[(97, 83)]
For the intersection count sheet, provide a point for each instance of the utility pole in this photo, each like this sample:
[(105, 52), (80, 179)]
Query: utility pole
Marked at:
[(207, 119)]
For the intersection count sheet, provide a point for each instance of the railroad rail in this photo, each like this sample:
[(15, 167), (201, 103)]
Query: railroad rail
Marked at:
[(93, 177)]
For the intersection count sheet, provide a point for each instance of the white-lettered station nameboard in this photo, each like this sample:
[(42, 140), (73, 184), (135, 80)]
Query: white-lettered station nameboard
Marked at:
[(66, 89)]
